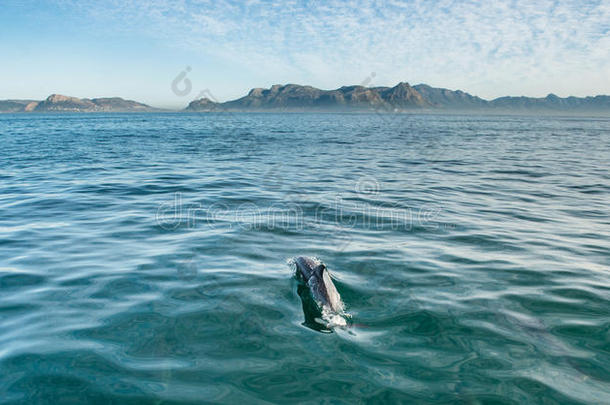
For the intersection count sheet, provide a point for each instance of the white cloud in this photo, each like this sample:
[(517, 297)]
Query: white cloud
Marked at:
[(487, 48)]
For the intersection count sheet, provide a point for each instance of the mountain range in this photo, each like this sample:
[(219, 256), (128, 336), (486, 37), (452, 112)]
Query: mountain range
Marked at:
[(293, 97), (402, 97)]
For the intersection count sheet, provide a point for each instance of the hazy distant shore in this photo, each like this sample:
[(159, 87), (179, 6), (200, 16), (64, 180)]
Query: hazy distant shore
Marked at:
[(402, 98)]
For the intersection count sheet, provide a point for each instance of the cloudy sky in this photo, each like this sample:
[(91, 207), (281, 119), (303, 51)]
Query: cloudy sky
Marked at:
[(136, 49)]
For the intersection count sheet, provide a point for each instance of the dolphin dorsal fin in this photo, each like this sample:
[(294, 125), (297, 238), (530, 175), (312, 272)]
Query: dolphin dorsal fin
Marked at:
[(319, 269)]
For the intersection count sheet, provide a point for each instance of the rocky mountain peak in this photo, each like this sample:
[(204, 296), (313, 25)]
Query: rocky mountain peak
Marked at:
[(60, 98)]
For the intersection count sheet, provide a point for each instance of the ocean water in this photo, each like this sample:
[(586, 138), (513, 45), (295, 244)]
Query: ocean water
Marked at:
[(145, 258)]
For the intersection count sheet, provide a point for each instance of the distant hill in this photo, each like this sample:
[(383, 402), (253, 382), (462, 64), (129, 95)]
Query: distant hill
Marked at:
[(14, 105), (293, 97), (444, 98), (296, 97), (59, 103), (554, 103), (402, 97)]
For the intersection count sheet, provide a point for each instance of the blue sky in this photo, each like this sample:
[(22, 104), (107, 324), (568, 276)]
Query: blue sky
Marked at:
[(135, 49)]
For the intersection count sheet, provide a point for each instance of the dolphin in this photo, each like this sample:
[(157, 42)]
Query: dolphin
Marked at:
[(317, 277)]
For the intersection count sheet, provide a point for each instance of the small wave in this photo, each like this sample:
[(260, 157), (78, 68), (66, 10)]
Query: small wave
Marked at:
[(334, 319)]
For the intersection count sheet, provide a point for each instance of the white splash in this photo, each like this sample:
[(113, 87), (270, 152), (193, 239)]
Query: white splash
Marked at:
[(333, 319)]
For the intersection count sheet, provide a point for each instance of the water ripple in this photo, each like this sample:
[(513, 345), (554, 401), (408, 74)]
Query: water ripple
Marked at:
[(144, 258)]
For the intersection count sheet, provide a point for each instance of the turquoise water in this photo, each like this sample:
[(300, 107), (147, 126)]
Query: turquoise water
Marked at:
[(144, 258)]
